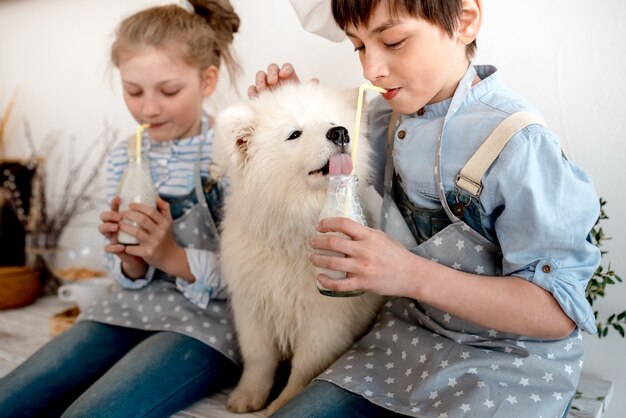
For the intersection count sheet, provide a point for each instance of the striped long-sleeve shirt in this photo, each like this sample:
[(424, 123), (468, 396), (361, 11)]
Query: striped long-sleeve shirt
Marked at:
[(172, 165)]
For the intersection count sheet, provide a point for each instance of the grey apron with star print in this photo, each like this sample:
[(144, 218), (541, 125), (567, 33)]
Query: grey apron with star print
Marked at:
[(420, 361), (160, 306)]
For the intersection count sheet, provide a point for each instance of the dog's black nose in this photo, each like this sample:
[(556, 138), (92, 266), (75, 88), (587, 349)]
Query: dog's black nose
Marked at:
[(339, 135)]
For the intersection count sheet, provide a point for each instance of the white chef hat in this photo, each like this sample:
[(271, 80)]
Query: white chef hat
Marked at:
[(315, 17)]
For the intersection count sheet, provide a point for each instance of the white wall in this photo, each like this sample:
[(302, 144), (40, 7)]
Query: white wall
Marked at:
[(567, 56)]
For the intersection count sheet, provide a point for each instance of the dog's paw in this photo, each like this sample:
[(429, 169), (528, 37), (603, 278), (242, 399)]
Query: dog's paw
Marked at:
[(245, 400)]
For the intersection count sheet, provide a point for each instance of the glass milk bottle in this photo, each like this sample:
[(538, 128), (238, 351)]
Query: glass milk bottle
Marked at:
[(342, 200), (136, 186)]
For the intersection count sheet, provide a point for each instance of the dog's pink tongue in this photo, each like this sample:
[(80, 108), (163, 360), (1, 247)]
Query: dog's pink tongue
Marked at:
[(340, 164)]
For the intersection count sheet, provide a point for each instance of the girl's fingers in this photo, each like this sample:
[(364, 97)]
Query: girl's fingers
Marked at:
[(164, 208), (114, 248)]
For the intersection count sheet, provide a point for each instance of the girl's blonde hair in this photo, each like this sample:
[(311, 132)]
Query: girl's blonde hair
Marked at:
[(207, 33)]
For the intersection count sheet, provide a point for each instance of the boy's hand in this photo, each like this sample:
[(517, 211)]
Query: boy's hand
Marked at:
[(132, 266), (274, 78)]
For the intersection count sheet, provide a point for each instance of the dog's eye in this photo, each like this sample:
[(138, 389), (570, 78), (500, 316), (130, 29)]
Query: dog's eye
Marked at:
[(294, 135)]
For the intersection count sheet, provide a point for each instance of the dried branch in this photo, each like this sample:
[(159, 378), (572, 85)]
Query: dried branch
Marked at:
[(49, 215)]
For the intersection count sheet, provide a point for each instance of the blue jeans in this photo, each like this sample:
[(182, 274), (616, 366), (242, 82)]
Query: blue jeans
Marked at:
[(100, 370), (323, 399)]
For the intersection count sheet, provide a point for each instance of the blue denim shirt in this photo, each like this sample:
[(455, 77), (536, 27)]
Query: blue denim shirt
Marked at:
[(537, 205)]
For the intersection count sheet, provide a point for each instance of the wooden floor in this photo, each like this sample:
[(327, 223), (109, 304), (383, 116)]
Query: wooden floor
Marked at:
[(24, 330)]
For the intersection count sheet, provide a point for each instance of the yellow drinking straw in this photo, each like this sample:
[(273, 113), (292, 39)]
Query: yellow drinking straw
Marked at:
[(357, 123), (140, 129)]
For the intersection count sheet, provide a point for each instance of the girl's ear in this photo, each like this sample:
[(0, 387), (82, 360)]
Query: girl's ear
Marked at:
[(471, 19), (209, 78)]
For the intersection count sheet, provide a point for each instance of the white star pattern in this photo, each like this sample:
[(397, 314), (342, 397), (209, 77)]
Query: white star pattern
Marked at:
[(373, 369), (433, 395), (456, 266)]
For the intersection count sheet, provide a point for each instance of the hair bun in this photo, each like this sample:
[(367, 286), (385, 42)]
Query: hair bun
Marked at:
[(219, 14)]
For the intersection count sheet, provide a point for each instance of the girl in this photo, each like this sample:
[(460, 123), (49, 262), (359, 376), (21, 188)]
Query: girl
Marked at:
[(490, 301), (162, 341)]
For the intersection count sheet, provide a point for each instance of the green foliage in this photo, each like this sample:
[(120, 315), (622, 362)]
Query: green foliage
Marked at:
[(602, 278)]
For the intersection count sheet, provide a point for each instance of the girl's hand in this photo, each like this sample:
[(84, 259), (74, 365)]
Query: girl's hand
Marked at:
[(373, 261), (153, 231), (132, 266), (274, 78)]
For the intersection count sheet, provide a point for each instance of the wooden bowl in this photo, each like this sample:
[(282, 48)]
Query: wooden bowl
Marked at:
[(19, 286)]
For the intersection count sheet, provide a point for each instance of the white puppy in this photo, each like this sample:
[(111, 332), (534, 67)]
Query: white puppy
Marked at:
[(280, 144)]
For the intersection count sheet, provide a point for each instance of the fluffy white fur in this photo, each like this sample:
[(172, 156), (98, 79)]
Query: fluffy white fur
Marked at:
[(269, 216)]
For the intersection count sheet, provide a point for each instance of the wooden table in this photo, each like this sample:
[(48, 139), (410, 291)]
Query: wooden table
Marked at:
[(24, 330)]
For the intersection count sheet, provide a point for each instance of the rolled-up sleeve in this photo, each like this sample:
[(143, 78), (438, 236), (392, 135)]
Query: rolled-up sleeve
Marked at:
[(208, 284), (114, 268), (543, 208)]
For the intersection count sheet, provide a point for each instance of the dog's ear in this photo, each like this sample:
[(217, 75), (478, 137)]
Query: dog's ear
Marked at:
[(234, 128)]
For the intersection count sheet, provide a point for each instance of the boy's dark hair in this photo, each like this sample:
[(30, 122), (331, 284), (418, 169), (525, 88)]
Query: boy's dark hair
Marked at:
[(443, 13)]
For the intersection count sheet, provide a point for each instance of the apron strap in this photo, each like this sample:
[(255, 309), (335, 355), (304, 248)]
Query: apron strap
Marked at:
[(391, 130), (470, 177)]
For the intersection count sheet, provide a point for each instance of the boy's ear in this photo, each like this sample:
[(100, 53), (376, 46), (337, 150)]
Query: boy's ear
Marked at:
[(470, 22), (234, 128), (209, 79)]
